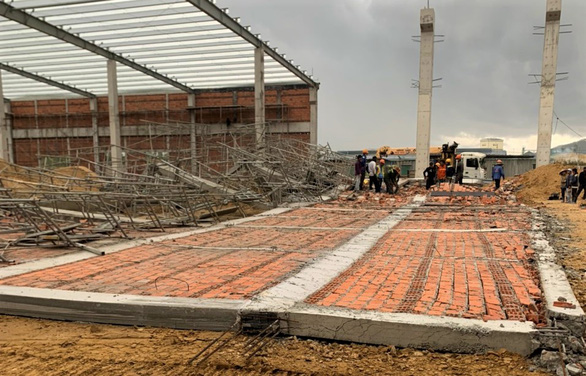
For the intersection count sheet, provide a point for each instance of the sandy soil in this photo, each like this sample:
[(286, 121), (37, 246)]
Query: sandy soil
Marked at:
[(40, 347)]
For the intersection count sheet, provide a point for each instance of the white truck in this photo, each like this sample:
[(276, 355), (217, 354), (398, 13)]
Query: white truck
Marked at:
[(473, 167)]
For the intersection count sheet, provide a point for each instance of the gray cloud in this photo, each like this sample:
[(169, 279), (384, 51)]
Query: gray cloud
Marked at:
[(362, 53)]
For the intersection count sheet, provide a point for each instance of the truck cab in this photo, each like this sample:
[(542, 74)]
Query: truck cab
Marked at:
[(473, 166)]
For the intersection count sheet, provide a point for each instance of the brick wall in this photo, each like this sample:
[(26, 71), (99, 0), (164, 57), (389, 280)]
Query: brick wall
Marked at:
[(287, 104)]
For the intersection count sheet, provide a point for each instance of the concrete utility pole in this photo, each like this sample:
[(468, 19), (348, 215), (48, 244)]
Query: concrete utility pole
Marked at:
[(548, 78), (427, 24)]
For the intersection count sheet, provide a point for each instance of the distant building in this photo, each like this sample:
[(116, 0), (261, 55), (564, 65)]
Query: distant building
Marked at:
[(492, 143)]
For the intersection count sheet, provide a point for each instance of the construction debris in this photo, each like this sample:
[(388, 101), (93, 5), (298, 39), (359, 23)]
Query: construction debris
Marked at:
[(86, 200)]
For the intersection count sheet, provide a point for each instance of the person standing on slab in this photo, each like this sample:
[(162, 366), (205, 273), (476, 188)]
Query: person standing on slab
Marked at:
[(498, 174), (429, 175), (372, 173), (358, 173)]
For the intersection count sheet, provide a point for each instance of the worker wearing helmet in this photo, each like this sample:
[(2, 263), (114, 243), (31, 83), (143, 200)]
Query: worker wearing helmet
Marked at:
[(364, 168), (387, 168), (450, 170), (498, 174), (441, 172), (459, 169), (380, 174)]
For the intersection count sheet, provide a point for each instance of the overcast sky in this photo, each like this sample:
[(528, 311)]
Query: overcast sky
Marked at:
[(362, 53)]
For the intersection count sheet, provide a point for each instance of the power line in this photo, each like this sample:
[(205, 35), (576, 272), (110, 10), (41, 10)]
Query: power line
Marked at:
[(570, 128)]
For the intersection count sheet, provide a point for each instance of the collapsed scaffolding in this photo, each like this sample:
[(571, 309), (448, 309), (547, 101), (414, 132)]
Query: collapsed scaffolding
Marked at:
[(78, 198)]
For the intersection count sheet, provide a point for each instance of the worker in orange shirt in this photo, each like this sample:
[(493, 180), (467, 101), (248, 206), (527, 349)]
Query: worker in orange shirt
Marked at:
[(441, 172)]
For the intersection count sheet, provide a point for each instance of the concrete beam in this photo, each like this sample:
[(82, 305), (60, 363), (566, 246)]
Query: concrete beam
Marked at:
[(114, 114), (259, 95), (548, 78), (313, 115), (23, 18), (409, 330), (554, 282), (427, 25), (143, 130), (179, 313)]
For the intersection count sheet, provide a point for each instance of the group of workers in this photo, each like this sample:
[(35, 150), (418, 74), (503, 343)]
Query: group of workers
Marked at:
[(572, 184), (379, 172), (443, 171)]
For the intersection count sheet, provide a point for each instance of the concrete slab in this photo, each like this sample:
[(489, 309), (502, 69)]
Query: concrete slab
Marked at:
[(451, 274), (316, 275)]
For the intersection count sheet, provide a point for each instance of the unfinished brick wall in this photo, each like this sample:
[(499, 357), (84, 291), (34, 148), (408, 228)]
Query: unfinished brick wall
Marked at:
[(284, 104)]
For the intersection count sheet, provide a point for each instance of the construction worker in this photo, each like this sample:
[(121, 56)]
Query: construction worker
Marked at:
[(372, 175), (574, 184), (388, 173), (396, 178), (379, 174), (358, 173), (563, 183), (429, 175), (363, 172), (450, 170), (498, 174), (459, 169), (441, 172)]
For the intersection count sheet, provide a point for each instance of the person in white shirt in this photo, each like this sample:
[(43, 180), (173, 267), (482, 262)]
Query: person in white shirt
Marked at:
[(372, 178)]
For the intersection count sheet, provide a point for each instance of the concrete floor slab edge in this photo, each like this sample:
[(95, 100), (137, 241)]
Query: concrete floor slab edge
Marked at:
[(18, 269), (554, 282), (409, 330), (179, 313), (313, 277)]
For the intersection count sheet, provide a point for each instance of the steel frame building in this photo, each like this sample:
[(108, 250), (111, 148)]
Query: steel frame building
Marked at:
[(93, 48)]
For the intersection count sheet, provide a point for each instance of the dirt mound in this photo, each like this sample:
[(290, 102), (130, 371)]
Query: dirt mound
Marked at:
[(19, 178), (537, 185)]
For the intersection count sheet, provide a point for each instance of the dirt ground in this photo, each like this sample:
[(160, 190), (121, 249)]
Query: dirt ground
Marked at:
[(42, 347)]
